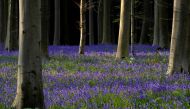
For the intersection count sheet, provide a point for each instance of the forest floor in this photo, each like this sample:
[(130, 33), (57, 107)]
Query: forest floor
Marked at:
[(98, 81)]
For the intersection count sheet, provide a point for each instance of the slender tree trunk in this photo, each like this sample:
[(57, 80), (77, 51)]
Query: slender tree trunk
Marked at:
[(12, 30), (156, 24), (29, 85), (45, 28), (91, 23), (57, 23), (16, 28), (66, 22), (146, 23), (132, 24), (100, 21), (8, 41), (124, 30), (179, 59), (82, 26), (163, 24), (4, 19), (161, 30), (1, 21), (106, 22)]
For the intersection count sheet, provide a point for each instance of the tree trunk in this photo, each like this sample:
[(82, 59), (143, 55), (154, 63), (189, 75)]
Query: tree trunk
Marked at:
[(124, 30), (82, 26), (106, 22), (4, 20), (163, 24), (66, 23), (179, 59), (100, 21), (156, 24), (146, 23), (45, 28), (1, 23), (12, 29), (132, 24), (91, 23), (57, 23), (29, 79), (161, 30)]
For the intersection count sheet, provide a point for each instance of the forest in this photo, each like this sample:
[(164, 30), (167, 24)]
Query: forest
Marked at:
[(94, 54)]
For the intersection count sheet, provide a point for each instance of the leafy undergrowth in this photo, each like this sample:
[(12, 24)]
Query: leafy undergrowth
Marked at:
[(99, 81)]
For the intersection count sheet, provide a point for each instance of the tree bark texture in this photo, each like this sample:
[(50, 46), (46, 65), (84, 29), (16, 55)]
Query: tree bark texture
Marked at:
[(82, 26), (124, 30), (12, 26), (29, 79), (179, 59)]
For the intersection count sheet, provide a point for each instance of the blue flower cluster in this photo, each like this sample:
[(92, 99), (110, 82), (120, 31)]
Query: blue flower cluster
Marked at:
[(98, 81)]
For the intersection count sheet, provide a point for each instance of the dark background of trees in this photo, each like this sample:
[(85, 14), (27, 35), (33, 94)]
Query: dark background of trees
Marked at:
[(73, 11), (70, 17)]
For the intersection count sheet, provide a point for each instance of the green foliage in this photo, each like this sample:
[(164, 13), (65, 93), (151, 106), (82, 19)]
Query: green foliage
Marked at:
[(3, 107), (157, 58), (8, 58), (129, 60), (92, 83), (116, 101), (56, 107)]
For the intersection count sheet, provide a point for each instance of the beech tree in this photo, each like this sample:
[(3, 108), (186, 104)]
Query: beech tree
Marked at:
[(91, 22), (29, 78), (124, 30), (106, 22), (45, 17), (82, 26), (1, 21), (161, 30), (57, 23), (179, 60), (146, 22), (4, 17), (100, 21), (12, 26), (132, 24), (66, 22)]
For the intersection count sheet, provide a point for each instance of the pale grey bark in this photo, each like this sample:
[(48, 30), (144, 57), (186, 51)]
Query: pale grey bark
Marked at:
[(124, 30), (8, 40), (82, 26), (179, 59), (132, 24), (29, 79), (12, 29), (57, 23)]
